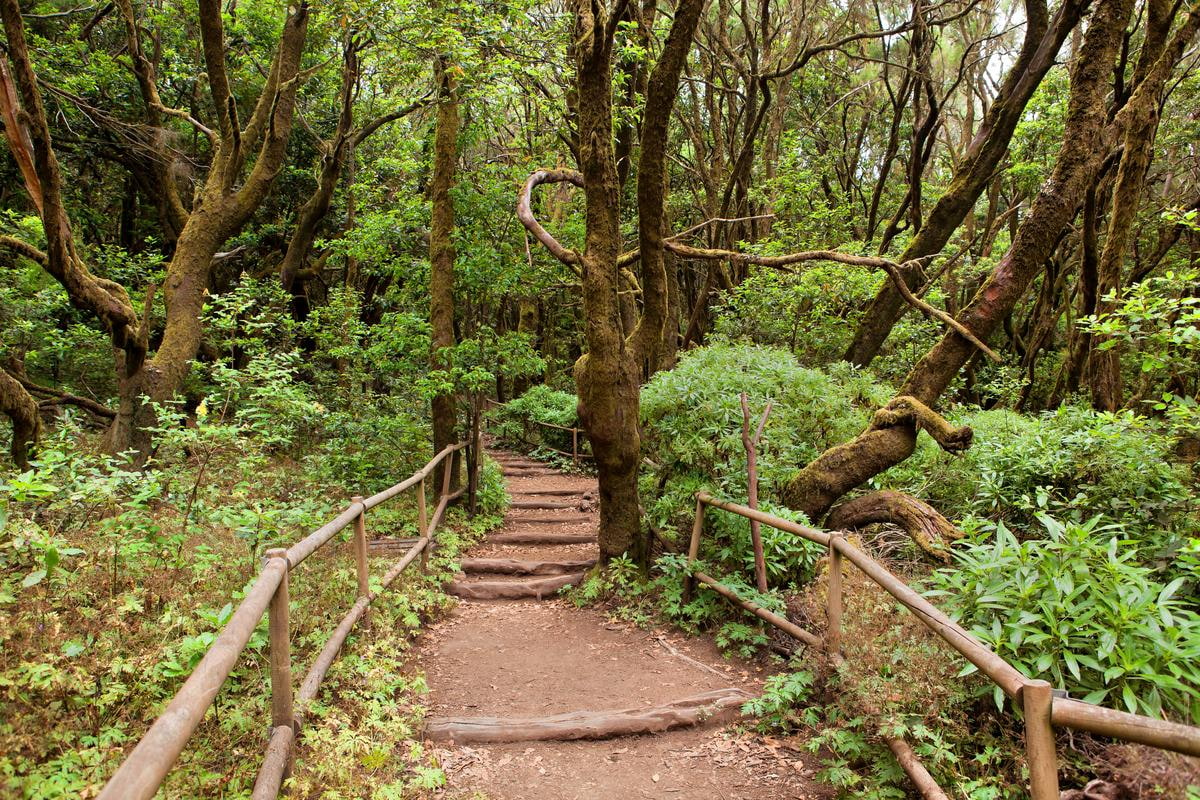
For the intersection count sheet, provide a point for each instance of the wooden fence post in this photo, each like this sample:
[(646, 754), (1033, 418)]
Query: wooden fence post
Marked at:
[(279, 637), (360, 554), (833, 599), (575, 447), (422, 523), (689, 583), (1037, 699), (448, 464)]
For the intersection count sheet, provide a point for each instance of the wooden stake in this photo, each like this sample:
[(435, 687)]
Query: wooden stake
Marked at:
[(282, 707), (751, 445), (689, 583), (833, 602), (1037, 698), (360, 552), (422, 522)]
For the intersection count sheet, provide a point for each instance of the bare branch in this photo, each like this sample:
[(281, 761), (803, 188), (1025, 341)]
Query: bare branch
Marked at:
[(525, 211)]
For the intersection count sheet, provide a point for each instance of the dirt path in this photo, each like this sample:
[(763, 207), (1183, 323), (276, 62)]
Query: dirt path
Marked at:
[(530, 658)]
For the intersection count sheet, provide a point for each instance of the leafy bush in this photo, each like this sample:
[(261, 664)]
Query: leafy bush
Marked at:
[(693, 418), (515, 422), (1073, 462), (1078, 610), (692, 432), (821, 306)]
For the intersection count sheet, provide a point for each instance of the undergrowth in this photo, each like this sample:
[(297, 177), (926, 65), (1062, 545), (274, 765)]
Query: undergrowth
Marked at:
[(114, 582)]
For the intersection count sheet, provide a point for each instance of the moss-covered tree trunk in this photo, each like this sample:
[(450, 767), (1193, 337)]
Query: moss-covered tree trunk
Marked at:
[(607, 377), (22, 410), (1043, 38), (222, 208), (441, 258), (892, 434), (1155, 62)]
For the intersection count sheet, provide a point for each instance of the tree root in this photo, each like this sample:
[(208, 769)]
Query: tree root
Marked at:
[(929, 530)]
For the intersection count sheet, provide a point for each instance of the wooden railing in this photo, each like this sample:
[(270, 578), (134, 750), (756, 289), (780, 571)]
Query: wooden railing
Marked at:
[(577, 435), (1043, 709), (147, 766)]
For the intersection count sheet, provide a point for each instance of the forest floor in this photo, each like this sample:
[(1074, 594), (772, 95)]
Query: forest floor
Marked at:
[(526, 658)]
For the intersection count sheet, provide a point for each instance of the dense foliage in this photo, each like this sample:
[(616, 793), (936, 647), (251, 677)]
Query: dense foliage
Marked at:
[(255, 257)]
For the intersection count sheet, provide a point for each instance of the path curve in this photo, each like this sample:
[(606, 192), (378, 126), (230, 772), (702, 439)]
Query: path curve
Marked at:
[(533, 668)]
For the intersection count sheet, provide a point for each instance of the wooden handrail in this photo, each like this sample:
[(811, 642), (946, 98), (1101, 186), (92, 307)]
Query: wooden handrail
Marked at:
[(1041, 710), (143, 771), (575, 453)]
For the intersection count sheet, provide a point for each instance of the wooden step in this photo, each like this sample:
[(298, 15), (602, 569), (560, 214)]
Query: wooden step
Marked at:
[(556, 519), (536, 588), (512, 566), (718, 706), (537, 537), (545, 504), (549, 492)]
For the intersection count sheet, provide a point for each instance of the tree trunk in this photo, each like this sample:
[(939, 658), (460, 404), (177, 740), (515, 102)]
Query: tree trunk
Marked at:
[(220, 212), (441, 260), (892, 434), (22, 410), (1038, 51), (1154, 67)]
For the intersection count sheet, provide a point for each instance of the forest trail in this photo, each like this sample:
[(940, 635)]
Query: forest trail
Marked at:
[(522, 660)]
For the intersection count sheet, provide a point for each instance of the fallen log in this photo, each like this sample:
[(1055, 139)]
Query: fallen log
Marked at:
[(512, 566), (535, 537), (537, 588), (720, 705)]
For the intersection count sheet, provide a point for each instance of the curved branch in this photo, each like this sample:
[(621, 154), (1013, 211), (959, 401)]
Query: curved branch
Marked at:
[(893, 270), (929, 530), (907, 410), (571, 258), (525, 211), (24, 248)]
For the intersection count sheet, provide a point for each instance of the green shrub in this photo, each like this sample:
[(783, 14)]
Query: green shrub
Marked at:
[(812, 313), (1077, 609), (692, 420), (1073, 462), (515, 422)]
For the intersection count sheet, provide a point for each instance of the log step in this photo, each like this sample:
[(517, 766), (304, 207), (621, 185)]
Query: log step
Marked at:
[(544, 504), (512, 566), (538, 588), (548, 492), (535, 537), (557, 519), (720, 705)]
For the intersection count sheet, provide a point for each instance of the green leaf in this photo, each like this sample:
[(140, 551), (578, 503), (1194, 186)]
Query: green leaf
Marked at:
[(34, 578)]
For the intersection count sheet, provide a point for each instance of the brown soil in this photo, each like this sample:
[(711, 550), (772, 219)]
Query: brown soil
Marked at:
[(534, 658)]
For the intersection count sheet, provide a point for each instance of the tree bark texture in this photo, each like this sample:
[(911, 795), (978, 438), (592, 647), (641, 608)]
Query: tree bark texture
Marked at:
[(444, 406)]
